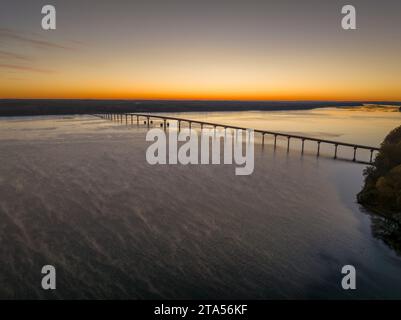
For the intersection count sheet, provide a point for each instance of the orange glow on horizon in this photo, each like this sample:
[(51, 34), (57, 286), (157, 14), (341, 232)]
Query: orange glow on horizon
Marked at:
[(206, 75), (197, 95)]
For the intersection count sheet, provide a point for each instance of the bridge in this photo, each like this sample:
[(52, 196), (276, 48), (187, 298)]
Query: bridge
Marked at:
[(129, 118)]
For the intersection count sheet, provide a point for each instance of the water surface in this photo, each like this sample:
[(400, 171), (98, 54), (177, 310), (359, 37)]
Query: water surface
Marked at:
[(77, 193)]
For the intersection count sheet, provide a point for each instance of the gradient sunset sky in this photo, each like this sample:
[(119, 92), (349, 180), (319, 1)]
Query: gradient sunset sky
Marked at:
[(209, 49)]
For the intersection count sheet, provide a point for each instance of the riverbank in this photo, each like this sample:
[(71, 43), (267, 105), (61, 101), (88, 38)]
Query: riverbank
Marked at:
[(382, 189), (30, 107)]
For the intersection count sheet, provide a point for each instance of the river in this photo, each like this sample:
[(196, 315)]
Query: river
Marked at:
[(78, 194)]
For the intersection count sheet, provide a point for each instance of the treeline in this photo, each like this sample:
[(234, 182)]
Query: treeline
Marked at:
[(382, 190), (17, 107)]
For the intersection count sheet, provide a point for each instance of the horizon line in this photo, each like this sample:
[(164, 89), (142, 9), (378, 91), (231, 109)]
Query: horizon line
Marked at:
[(211, 100)]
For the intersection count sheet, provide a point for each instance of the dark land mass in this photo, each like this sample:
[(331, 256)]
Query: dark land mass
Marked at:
[(30, 107), (382, 189), (381, 194)]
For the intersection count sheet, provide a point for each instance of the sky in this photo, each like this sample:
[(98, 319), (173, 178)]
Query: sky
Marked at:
[(209, 49)]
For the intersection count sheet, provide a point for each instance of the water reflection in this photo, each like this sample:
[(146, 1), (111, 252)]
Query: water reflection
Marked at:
[(387, 230)]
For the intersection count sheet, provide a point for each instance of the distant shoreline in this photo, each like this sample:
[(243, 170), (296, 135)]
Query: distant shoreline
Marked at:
[(32, 107)]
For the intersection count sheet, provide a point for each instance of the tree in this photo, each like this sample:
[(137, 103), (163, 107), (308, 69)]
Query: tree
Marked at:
[(382, 189)]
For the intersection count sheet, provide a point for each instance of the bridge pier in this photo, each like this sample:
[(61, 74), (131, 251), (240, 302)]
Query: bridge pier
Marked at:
[(303, 145), (335, 151), (318, 149), (371, 155), (275, 141), (354, 159), (288, 144)]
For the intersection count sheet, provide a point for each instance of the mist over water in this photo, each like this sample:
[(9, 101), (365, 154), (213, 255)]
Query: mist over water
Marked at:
[(77, 193)]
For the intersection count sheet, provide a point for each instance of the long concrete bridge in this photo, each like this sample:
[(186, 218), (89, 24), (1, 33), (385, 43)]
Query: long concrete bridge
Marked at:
[(129, 118)]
